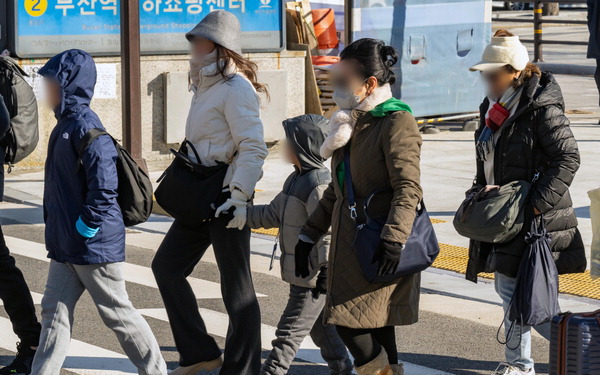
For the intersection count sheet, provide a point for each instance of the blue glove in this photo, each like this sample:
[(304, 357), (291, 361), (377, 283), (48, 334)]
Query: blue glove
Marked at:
[(84, 230)]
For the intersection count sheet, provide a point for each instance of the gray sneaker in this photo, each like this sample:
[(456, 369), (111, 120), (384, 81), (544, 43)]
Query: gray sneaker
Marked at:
[(508, 369)]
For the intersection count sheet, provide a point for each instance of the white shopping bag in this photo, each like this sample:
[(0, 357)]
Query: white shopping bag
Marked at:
[(595, 215)]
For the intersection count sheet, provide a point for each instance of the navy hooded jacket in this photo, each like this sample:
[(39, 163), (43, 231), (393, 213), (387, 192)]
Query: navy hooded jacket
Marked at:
[(89, 192)]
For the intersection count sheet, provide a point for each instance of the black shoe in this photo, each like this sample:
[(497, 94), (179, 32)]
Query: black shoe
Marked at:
[(22, 362)]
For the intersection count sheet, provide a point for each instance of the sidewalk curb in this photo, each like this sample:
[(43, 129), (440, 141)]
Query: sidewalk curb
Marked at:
[(20, 197)]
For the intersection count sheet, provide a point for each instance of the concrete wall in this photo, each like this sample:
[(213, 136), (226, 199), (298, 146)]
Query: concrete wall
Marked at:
[(153, 67)]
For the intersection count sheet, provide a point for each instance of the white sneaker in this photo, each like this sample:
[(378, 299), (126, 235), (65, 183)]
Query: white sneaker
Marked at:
[(508, 369)]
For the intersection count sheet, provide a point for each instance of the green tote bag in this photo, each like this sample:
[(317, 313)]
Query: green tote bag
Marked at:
[(496, 216)]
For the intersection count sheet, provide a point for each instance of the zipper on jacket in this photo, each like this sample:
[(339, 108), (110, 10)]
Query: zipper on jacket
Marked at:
[(282, 225), (273, 254)]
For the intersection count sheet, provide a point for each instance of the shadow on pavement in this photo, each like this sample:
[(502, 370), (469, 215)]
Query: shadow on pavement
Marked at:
[(460, 366)]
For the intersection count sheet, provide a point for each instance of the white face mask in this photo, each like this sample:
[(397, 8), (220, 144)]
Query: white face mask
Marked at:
[(345, 98)]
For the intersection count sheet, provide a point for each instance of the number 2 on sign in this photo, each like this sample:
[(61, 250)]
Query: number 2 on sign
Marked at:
[(36, 8)]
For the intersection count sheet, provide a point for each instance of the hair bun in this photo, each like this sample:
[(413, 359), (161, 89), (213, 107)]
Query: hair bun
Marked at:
[(389, 56), (374, 58)]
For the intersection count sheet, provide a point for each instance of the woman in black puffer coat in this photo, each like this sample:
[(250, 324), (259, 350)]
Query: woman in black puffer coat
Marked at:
[(539, 140), (524, 132)]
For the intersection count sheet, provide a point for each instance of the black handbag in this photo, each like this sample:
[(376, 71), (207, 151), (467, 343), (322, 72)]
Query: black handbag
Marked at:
[(190, 191), (419, 252), (535, 299)]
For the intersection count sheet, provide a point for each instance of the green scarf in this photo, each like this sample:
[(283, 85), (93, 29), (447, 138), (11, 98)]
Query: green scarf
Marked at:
[(390, 106)]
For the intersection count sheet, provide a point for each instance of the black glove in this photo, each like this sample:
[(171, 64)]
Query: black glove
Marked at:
[(301, 258), (226, 216), (321, 287), (389, 257)]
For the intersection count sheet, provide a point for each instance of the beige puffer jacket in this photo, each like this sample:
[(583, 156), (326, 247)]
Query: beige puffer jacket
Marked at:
[(224, 124)]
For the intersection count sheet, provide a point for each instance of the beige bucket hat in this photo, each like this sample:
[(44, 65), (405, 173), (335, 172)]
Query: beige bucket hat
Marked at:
[(503, 50)]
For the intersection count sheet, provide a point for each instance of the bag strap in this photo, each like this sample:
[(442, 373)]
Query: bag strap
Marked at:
[(350, 189), (87, 139), (185, 145), (348, 183)]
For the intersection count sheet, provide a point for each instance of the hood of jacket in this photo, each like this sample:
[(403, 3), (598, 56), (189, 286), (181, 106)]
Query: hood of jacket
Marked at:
[(544, 91), (306, 133), (75, 71)]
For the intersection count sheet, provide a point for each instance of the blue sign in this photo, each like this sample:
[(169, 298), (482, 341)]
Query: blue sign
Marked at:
[(46, 27)]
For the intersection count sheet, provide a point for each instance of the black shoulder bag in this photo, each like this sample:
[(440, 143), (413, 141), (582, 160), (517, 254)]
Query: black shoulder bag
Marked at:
[(190, 191), (420, 250)]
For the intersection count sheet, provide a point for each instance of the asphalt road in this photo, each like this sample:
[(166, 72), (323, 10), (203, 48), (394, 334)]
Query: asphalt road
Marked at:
[(450, 344)]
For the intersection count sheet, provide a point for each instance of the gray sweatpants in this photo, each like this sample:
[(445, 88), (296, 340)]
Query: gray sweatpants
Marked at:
[(302, 316), (66, 283)]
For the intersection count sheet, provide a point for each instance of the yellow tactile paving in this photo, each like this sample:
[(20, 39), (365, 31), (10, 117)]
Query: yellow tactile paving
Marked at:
[(455, 258), (269, 232), (274, 232), (437, 221)]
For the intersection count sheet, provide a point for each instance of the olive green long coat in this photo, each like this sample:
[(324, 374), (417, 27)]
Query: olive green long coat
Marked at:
[(384, 154)]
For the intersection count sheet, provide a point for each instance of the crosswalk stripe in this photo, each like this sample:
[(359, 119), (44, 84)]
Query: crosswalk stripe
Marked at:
[(83, 359), (217, 324), (87, 359), (203, 289), (37, 298)]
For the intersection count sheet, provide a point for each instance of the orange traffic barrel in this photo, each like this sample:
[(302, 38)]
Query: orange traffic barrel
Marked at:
[(325, 60), (324, 21)]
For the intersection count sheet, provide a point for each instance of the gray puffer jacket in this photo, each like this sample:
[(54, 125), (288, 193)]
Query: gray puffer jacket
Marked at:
[(300, 196)]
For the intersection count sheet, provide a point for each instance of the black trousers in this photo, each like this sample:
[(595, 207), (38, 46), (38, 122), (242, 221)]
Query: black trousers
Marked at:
[(179, 253), (597, 75), (366, 344), (15, 294)]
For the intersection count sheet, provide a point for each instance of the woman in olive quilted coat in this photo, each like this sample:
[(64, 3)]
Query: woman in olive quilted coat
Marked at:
[(385, 148)]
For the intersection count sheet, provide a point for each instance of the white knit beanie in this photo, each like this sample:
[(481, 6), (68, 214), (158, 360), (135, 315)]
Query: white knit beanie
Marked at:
[(503, 50)]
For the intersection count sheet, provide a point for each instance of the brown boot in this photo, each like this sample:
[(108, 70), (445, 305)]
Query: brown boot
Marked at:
[(379, 366), (202, 366)]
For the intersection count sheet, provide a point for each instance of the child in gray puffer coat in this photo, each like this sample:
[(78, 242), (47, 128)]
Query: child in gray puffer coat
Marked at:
[(288, 211)]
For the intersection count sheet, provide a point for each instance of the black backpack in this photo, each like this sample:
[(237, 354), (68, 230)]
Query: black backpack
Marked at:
[(23, 135), (135, 188)]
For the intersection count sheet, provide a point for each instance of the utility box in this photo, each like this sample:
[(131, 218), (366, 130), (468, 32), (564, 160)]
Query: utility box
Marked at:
[(178, 99), (436, 40)]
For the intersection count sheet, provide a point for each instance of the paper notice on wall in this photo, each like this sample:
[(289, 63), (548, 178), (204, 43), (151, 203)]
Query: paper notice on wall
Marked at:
[(106, 83), (35, 80)]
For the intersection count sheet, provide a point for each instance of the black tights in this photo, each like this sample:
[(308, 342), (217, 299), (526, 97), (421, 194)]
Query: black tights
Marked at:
[(365, 344)]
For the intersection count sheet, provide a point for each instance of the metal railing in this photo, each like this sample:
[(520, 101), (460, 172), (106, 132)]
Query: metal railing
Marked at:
[(538, 21)]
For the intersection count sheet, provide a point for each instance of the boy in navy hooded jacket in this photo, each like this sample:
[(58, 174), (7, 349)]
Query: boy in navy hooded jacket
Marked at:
[(85, 234)]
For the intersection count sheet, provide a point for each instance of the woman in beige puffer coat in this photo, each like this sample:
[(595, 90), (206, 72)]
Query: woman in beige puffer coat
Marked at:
[(224, 127)]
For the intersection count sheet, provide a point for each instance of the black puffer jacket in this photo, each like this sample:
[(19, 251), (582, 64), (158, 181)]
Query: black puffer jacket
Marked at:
[(536, 138)]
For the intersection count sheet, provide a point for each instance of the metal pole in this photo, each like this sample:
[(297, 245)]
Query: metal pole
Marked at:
[(348, 6), (537, 32), (131, 82)]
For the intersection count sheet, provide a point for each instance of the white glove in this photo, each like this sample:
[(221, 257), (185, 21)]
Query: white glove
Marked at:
[(240, 202)]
